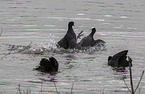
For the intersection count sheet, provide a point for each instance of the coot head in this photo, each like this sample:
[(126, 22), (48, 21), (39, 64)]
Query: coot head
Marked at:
[(93, 30), (70, 24), (109, 58)]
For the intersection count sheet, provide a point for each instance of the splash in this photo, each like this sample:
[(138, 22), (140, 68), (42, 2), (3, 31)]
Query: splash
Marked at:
[(51, 47), (99, 47), (45, 48), (35, 47)]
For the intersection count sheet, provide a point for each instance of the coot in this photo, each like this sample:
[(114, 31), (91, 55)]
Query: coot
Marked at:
[(119, 59)]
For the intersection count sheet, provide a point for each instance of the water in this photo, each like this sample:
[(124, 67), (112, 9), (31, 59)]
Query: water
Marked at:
[(31, 28)]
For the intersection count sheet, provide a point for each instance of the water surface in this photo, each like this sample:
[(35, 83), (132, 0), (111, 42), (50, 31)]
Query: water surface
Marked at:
[(31, 28)]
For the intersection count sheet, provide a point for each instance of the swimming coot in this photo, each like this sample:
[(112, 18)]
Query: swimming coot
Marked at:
[(89, 40), (69, 40), (48, 66), (119, 59)]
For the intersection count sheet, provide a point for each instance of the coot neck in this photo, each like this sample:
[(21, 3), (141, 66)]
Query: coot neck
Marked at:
[(70, 29), (91, 35)]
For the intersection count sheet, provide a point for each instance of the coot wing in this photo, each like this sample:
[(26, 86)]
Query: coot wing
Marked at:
[(63, 43), (120, 55), (86, 41), (54, 64)]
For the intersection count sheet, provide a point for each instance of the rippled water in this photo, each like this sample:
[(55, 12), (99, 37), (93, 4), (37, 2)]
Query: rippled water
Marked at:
[(30, 30)]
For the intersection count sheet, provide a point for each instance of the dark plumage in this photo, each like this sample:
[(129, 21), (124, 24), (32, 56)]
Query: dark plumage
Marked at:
[(69, 40), (49, 66), (119, 59), (89, 40)]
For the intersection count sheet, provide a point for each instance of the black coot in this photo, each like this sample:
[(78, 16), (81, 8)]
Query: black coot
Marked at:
[(119, 59), (69, 40), (48, 66)]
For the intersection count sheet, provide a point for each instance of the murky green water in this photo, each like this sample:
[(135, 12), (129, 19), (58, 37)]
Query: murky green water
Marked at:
[(31, 28)]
